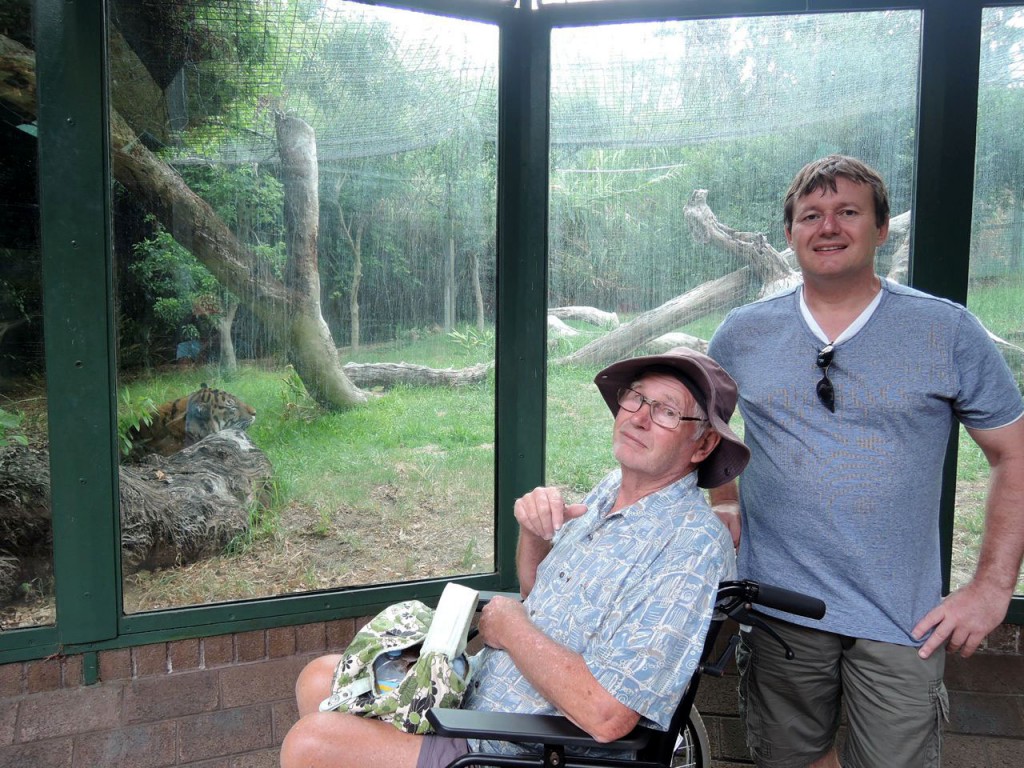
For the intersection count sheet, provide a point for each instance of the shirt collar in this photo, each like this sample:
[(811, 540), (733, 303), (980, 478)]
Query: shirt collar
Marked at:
[(850, 331)]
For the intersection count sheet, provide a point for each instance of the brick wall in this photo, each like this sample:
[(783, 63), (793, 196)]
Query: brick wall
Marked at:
[(226, 702), (986, 701), (217, 702)]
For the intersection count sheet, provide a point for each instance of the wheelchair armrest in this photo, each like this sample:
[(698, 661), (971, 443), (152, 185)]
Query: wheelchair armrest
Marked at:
[(530, 729), (485, 597)]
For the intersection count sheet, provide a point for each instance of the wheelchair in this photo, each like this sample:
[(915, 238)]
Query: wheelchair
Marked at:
[(683, 745)]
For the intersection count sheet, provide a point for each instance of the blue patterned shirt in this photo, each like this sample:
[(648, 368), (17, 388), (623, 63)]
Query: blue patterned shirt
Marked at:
[(632, 592)]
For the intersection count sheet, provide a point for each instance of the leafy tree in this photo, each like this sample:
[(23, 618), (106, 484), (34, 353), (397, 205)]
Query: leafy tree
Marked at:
[(182, 293)]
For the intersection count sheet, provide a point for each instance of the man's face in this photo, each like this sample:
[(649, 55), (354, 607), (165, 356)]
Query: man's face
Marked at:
[(656, 455), (834, 234)]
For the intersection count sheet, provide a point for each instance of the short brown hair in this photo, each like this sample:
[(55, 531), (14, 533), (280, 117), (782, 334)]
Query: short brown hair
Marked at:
[(822, 174)]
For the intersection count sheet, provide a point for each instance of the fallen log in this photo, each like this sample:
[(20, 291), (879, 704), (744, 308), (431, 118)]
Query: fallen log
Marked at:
[(726, 291), (899, 229), (669, 341), (769, 265), (559, 330), (26, 537), (591, 315), (386, 375), (174, 509)]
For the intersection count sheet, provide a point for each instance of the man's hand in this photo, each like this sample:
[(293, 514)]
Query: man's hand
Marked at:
[(963, 619), (543, 511), (498, 619)]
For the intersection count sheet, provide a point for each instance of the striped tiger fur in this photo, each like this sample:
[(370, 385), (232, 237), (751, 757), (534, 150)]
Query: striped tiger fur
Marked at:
[(187, 420)]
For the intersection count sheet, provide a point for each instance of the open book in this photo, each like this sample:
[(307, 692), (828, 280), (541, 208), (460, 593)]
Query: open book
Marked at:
[(450, 625)]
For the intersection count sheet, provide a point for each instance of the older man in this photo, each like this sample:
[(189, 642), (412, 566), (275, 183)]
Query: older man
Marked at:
[(619, 588)]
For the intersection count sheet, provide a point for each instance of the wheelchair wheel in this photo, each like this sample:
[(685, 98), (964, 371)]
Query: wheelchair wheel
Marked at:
[(692, 750)]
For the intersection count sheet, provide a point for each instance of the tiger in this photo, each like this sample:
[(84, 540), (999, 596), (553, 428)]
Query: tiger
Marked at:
[(187, 420)]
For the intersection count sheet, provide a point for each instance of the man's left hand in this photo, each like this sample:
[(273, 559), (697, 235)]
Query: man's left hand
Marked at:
[(963, 619), (499, 619)]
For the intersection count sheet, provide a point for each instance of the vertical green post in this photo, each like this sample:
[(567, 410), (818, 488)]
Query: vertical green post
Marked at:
[(524, 74), (77, 314), (944, 183)]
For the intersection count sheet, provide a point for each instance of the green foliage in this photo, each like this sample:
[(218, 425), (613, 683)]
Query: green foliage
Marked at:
[(246, 198), (132, 413), (179, 286), (13, 299), (470, 557), (264, 522), (473, 340), (9, 422), (296, 400)]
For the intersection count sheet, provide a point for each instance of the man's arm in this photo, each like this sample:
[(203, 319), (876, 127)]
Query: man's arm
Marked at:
[(965, 617), (560, 675), (725, 501), (540, 514)]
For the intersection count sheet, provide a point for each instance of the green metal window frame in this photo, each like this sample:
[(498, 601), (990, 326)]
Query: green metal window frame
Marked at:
[(78, 289)]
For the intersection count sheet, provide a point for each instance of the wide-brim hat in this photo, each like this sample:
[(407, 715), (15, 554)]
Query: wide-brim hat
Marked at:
[(716, 393)]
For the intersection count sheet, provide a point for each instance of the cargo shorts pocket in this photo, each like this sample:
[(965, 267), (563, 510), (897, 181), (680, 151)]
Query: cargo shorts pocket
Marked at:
[(939, 697)]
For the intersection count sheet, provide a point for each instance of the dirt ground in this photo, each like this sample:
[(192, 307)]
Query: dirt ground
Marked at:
[(309, 551)]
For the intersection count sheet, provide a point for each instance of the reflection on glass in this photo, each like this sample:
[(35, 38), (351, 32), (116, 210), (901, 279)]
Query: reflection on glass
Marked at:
[(996, 288), (673, 144), (26, 563), (304, 216)]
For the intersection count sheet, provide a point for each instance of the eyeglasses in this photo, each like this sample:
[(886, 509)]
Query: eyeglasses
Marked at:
[(663, 415), (826, 392)]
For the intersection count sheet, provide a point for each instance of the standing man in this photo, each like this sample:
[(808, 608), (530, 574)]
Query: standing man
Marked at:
[(619, 588), (849, 388)]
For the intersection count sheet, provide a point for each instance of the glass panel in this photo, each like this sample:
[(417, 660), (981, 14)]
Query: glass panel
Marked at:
[(26, 561), (996, 288), (304, 215), (673, 144)]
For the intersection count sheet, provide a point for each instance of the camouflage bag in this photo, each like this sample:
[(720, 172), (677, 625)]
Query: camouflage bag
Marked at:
[(433, 680)]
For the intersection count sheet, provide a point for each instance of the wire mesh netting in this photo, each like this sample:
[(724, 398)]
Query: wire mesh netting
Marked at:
[(371, 81), (675, 83)]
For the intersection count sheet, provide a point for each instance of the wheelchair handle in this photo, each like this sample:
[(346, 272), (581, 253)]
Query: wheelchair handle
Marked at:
[(786, 600)]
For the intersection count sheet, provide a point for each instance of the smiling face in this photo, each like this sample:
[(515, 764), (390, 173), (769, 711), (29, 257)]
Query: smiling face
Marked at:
[(834, 234), (650, 454)]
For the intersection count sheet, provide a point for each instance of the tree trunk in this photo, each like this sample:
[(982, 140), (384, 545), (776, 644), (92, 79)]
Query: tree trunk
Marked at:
[(725, 291), (449, 285), (311, 349), (355, 243), (174, 509), (353, 296), (228, 361), (195, 226), (478, 294)]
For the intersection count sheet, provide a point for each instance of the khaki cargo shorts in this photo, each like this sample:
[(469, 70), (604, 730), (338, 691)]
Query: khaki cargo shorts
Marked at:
[(895, 701)]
